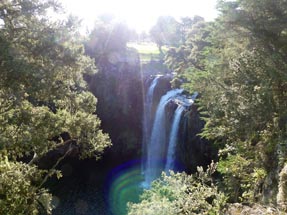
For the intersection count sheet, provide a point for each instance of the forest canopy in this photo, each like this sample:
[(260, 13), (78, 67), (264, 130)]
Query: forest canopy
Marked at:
[(44, 104), (237, 63)]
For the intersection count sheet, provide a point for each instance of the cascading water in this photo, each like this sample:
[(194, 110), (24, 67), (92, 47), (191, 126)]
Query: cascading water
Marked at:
[(156, 146), (147, 119), (173, 137)]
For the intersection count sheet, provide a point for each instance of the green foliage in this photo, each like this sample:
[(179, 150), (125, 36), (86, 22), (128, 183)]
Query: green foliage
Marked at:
[(238, 65), (189, 55), (166, 32), (180, 193), (43, 102), (42, 87), (108, 37), (236, 170), (20, 192)]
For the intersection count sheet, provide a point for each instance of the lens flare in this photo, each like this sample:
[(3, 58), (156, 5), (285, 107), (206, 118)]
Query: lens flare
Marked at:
[(124, 186)]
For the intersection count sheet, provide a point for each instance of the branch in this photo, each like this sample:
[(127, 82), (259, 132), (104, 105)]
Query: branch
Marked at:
[(55, 165), (36, 157), (66, 142)]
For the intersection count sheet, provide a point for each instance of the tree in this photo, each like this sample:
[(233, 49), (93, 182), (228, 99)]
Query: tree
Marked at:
[(43, 102), (238, 65), (107, 37), (243, 93), (190, 54), (165, 32)]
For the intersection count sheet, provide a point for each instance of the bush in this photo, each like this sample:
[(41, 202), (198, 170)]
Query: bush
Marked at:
[(179, 193)]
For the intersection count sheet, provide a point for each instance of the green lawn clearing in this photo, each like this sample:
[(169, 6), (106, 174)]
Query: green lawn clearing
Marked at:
[(147, 50)]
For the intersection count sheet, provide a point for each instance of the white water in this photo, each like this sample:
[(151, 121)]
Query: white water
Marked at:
[(173, 138), (156, 146), (147, 120)]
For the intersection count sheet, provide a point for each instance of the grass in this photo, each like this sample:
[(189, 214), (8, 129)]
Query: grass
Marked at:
[(147, 50), (144, 47)]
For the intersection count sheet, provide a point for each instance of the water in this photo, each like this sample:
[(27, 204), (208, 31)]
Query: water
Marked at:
[(97, 189), (124, 186), (156, 147), (173, 138), (147, 119), (82, 190)]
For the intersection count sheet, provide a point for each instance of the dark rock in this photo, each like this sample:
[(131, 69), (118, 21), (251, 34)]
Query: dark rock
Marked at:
[(118, 86), (193, 150)]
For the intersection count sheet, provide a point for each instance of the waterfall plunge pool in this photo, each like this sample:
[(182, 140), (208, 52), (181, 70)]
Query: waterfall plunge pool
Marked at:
[(93, 188), (102, 189)]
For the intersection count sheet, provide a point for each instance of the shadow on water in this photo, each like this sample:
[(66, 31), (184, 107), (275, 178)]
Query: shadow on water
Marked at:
[(95, 188)]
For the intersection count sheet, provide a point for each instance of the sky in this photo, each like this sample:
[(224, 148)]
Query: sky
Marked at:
[(139, 14)]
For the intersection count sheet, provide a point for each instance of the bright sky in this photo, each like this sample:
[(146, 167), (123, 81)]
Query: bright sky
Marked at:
[(139, 14)]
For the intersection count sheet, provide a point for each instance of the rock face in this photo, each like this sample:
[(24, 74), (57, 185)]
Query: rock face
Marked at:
[(172, 141), (282, 189), (119, 88), (192, 150), (256, 209)]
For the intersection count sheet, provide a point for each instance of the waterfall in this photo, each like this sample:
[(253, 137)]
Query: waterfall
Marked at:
[(147, 120), (156, 146), (173, 138)]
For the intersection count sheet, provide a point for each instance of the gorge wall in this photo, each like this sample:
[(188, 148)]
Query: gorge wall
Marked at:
[(118, 87), (127, 107)]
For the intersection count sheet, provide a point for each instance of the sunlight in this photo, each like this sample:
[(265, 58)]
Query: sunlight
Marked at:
[(140, 15)]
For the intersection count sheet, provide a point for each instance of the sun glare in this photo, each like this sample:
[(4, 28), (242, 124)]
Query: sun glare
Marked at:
[(139, 14)]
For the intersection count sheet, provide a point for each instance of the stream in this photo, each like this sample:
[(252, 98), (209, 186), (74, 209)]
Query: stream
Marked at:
[(96, 188)]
